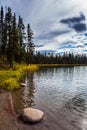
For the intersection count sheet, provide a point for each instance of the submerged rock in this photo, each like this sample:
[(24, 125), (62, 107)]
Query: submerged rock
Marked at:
[(31, 115)]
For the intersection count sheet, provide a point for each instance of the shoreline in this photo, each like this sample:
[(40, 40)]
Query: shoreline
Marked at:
[(60, 65), (9, 120)]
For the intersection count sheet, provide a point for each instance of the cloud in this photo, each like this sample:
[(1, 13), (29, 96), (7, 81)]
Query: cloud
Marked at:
[(85, 34), (47, 51), (77, 44), (44, 17), (80, 27), (68, 46), (39, 46), (76, 19), (80, 45), (85, 44), (85, 50), (76, 22), (53, 34)]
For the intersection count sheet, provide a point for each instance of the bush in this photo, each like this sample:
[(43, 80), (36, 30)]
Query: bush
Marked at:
[(17, 75), (30, 68), (11, 84), (10, 78), (24, 67), (16, 67)]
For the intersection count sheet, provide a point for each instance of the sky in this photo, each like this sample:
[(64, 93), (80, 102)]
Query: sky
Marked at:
[(59, 25)]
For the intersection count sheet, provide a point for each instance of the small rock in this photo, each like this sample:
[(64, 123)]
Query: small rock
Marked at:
[(31, 115), (23, 84)]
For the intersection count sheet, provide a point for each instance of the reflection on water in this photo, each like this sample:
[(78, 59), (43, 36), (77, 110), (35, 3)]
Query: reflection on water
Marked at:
[(55, 89), (28, 93), (24, 97)]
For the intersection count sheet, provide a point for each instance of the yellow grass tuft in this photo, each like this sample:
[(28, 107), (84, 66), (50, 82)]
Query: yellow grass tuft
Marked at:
[(10, 79), (10, 84)]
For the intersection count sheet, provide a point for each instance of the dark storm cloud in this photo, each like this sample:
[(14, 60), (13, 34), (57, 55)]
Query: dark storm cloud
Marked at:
[(76, 23), (85, 34), (85, 44), (80, 27), (73, 19)]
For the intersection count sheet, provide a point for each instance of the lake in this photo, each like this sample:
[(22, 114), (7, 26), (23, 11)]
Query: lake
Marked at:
[(60, 92)]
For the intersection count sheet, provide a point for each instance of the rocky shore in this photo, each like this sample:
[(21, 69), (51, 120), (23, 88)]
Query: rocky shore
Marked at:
[(9, 120), (8, 117)]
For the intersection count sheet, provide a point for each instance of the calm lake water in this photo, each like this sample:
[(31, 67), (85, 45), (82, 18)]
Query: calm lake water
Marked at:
[(61, 92)]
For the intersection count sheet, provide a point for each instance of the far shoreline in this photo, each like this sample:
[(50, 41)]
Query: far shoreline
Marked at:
[(60, 65)]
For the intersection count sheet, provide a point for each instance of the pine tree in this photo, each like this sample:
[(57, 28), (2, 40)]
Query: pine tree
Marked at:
[(5, 28), (21, 37), (9, 38), (1, 29), (14, 37), (30, 45)]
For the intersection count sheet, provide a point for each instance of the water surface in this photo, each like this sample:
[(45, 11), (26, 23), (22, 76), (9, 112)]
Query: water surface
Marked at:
[(61, 92)]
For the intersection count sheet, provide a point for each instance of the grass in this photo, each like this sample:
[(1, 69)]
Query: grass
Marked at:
[(11, 84), (59, 65), (10, 78)]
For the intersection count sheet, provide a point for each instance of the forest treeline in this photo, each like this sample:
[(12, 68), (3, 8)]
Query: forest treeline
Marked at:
[(16, 44), (66, 58)]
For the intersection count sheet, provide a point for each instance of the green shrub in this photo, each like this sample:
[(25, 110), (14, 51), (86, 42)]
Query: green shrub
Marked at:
[(16, 67), (30, 68), (17, 75), (10, 78), (11, 84)]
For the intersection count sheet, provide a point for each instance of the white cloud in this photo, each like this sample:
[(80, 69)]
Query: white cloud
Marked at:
[(44, 17)]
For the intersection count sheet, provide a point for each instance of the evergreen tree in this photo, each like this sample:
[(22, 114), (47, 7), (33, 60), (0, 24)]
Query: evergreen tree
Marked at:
[(9, 38), (4, 46), (30, 45), (21, 38), (14, 37), (1, 29)]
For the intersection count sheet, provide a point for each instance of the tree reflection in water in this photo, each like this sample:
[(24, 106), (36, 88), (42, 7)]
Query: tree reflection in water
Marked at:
[(28, 93)]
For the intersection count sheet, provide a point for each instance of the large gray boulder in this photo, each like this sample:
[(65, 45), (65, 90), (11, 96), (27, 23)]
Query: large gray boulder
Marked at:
[(31, 115)]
